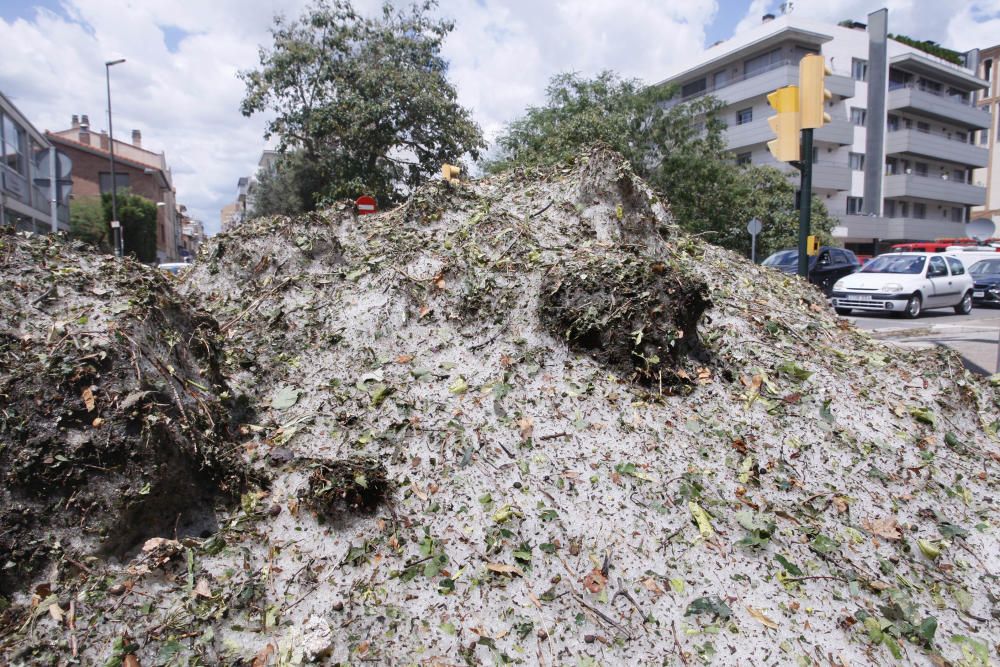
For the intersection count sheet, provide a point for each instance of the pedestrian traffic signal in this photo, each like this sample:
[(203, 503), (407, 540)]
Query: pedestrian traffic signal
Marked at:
[(812, 246), (812, 91), (785, 148)]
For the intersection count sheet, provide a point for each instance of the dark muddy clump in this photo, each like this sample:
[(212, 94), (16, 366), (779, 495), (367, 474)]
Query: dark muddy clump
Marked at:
[(637, 316), (112, 429), (356, 484)]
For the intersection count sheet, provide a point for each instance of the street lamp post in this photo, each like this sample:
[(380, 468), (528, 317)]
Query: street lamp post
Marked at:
[(116, 226)]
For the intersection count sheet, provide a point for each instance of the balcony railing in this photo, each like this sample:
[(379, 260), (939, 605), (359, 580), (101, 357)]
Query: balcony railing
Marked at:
[(960, 99), (950, 136), (710, 89)]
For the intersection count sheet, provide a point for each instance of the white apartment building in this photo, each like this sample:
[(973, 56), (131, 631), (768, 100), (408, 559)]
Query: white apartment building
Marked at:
[(896, 162), (989, 70)]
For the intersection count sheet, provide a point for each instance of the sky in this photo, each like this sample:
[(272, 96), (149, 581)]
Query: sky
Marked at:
[(179, 85)]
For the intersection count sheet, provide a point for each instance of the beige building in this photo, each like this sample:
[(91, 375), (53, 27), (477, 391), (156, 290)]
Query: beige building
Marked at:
[(989, 70)]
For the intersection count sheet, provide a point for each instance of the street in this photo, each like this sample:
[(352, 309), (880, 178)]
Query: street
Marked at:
[(975, 336)]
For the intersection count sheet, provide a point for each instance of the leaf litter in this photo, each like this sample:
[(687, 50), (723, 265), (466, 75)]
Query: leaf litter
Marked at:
[(526, 420)]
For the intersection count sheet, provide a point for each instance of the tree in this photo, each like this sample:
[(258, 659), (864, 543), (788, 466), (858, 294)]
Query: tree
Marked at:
[(678, 148), (138, 219), (88, 223), (364, 102)]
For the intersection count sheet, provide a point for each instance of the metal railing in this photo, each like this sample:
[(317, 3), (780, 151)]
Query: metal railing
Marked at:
[(939, 177), (709, 89), (936, 133), (957, 99)]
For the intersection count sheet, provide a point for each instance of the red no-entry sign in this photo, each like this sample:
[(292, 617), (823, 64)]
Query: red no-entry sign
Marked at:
[(366, 205)]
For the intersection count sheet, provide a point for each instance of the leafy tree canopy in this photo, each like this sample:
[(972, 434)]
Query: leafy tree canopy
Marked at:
[(365, 100), (138, 219), (87, 222), (679, 148)]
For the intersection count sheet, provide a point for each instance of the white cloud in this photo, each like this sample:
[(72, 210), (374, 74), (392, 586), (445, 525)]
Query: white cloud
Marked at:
[(957, 24)]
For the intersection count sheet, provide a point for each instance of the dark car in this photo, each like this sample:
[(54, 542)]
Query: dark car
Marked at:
[(825, 268), (986, 286)]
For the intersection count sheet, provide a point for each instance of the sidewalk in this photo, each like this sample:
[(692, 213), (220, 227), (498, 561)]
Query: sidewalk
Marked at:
[(979, 345)]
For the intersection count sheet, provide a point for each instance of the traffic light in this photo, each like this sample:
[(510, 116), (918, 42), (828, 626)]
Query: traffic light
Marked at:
[(785, 148), (812, 91), (812, 246)]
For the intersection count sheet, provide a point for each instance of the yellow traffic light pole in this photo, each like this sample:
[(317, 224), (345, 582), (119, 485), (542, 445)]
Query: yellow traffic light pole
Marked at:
[(800, 109)]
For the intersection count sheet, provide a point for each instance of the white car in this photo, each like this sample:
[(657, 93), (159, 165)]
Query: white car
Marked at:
[(905, 282)]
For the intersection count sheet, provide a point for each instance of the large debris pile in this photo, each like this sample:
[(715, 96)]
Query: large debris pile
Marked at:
[(111, 429), (526, 420)]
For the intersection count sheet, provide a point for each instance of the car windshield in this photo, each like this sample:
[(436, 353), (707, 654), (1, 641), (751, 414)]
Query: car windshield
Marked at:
[(782, 258), (895, 264), (985, 267)]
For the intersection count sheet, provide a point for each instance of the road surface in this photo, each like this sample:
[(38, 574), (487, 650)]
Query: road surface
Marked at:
[(975, 336)]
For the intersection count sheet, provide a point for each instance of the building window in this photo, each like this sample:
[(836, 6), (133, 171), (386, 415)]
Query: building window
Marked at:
[(920, 168), (121, 181), (957, 214), (12, 146), (859, 69), (856, 161), (858, 116), (892, 122), (904, 209), (958, 175), (744, 116), (693, 88), (743, 159), (854, 205), (919, 211), (763, 63), (889, 208), (923, 127), (721, 79)]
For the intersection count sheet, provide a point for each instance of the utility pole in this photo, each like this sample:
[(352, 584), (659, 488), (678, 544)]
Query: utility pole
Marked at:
[(116, 226)]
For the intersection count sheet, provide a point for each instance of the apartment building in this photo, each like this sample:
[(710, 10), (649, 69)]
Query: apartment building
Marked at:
[(246, 187), (34, 176), (896, 162), (138, 170), (989, 71)]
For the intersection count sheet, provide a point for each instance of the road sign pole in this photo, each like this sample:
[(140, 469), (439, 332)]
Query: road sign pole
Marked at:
[(753, 248), (805, 201)]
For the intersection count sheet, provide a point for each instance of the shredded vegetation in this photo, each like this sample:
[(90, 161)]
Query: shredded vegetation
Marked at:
[(520, 420)]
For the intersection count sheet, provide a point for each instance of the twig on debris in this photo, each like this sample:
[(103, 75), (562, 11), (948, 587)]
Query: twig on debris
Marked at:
[(253, 306), (603, 616), (677, 643)]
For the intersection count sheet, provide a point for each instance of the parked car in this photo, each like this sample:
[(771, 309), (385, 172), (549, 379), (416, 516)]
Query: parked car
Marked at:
[(906, 283), (173, 267), (986, 278), (825, 267)]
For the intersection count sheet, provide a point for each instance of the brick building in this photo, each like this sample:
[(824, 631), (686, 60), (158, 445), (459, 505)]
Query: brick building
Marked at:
[(138, 170)]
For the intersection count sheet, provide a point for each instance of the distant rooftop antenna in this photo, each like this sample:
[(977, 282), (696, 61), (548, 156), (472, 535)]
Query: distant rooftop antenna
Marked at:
[(787, 7)]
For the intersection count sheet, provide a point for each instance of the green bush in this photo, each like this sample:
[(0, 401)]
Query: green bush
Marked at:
[(138, 218)]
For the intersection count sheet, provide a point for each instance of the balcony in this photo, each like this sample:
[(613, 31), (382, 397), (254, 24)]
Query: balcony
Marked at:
[(899, 229), (758, 84), (935, 145), (937, 106), (839, 131), (758, 132), (937, 189), (831, 176)]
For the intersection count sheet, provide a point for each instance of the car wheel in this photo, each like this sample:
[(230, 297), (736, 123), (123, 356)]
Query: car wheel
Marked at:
[(913, 307), (964, 306), (843, 311)]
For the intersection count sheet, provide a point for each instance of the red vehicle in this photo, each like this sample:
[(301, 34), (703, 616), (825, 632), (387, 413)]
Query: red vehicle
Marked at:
[(940, 245)]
